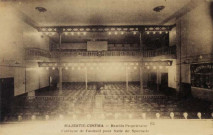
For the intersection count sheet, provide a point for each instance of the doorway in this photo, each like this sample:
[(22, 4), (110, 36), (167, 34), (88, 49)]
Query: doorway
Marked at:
[(6, 96)]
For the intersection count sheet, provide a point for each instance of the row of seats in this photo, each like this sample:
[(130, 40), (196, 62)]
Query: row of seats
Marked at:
[(85, 116), (105, 86), (110, 101), (87, 105)]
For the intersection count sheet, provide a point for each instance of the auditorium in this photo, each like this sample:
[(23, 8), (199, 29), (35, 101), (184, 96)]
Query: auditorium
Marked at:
[(103, 60)]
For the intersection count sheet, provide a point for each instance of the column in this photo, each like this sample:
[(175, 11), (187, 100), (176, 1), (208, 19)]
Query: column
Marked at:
[(141, 79), (86, 78), (127, 81), (179, 49), (60, 68), (59, 41), (141, 64), (60, 79)]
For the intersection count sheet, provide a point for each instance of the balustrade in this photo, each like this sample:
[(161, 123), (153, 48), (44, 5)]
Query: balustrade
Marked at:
[(150, 53)]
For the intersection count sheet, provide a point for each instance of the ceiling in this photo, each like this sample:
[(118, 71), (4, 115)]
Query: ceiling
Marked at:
[(99, 12)]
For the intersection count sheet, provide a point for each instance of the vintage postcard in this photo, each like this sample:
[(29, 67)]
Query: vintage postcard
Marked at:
[(106, 67)]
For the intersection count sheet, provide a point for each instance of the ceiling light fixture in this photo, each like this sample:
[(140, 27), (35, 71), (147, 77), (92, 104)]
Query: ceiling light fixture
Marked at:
[(41, 9), (159, 8)]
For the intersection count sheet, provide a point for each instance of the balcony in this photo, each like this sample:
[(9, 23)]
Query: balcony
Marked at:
[(160, 52), (96, 54), (35, 53)]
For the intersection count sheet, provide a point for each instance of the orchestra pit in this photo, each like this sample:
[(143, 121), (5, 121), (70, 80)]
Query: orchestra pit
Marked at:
[(106, 60)]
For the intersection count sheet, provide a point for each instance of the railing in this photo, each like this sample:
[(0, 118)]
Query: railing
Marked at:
[(150, 53), (94, 53), (36, 52), (159, 52)]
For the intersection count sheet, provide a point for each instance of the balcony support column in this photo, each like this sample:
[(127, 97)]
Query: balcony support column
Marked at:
[(60, 79), (60, 68), (86, 79), (141, 63), (127, 81), (141, 79)]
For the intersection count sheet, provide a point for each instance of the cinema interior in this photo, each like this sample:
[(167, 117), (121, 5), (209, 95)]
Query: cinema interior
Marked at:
[(106, 60)]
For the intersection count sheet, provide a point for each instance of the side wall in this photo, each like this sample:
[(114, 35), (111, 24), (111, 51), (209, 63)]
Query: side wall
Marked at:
[(16, 35), (194, 38)]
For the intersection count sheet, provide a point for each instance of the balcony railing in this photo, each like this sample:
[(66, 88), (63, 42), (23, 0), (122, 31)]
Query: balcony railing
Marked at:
[(150, 53), (36, 52), (159, 52), (93, 53)]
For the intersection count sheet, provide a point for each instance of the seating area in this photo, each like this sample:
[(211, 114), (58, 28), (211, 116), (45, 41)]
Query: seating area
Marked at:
[(135, 86), (111, 102), (74, 86), (154, 104)]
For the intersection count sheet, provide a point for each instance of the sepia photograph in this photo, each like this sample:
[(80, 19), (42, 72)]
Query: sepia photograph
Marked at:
[(106, 67)]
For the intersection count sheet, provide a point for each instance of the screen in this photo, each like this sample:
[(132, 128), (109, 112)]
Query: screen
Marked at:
[(97, 46)]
